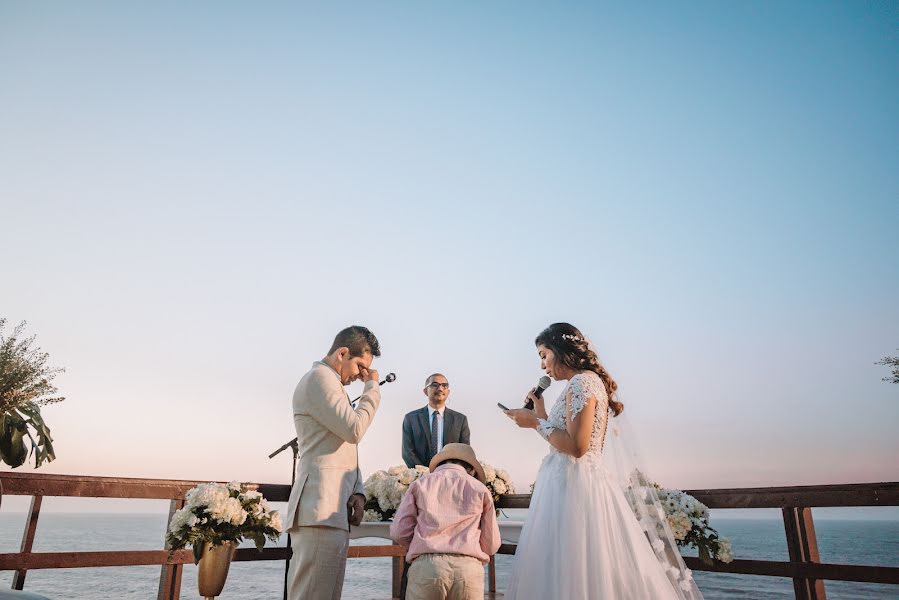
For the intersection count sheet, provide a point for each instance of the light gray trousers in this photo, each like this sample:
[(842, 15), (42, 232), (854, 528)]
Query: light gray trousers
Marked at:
[(318, 563)]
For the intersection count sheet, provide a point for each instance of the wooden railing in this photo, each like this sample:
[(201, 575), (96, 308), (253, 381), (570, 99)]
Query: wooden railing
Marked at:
[(796, 503), (40, 485), (804, 567)]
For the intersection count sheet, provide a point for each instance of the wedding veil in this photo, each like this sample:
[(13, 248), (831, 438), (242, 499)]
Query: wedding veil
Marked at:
[(622, 463)]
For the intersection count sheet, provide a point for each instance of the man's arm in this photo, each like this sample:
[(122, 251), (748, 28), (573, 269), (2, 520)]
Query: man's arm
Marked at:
[(404, 519), (465, 435), (490, 537), (359, 488), (409, 456), (330, 406)]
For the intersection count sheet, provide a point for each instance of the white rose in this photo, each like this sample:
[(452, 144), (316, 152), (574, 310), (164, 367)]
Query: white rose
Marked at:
[(276, 521), (489, 472), (180, 519), (725, 551), (371, 515)]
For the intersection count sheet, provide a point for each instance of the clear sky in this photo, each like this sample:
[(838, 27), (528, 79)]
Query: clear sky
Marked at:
[(196, 198)]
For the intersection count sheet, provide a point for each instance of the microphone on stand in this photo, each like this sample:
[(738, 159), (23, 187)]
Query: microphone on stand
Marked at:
[(541, 386)]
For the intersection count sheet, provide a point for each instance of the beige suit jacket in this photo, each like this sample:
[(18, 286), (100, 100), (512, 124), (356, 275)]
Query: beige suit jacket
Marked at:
[(328, 429)]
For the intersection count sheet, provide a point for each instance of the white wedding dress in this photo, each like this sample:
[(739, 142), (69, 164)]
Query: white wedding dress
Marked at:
[(584, 538)]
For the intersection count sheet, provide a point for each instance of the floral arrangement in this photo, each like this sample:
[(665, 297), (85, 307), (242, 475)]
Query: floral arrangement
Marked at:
[(384, 490), (219, 513), (689, 522), (499, 482), (687, 517)]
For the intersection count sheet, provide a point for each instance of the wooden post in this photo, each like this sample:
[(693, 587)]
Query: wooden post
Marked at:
[(18, 579), (170, 575), (397, 578), (491, 575), (803, 547)]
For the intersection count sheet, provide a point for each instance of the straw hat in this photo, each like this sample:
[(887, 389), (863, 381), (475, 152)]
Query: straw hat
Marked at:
[(463, 452)]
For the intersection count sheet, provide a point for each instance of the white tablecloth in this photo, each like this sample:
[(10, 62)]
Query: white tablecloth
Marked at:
[(509, 530)]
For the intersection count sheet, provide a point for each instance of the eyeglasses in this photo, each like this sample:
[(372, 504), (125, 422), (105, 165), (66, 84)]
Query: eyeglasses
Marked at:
[(434, 385)]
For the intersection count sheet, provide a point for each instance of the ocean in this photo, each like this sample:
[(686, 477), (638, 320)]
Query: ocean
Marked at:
[(849, 542)]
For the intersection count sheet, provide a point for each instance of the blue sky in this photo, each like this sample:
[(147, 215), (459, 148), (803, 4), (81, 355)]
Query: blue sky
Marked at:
[(196, 198)]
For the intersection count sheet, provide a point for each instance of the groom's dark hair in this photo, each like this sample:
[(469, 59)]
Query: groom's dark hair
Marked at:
[(358, 339)]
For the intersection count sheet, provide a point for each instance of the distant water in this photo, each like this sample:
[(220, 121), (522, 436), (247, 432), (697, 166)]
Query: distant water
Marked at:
[(848, 542)]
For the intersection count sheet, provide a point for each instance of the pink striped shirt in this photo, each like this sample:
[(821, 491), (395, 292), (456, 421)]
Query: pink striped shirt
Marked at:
[(447, 512)]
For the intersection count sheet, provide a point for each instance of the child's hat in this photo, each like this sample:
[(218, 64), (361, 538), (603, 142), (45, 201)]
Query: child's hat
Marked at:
[(462, 452)]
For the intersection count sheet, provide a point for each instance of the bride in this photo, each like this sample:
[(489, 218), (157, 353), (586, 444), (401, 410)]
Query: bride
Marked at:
[(592, 533)]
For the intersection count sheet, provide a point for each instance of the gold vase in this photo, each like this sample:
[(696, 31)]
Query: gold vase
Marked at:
[(213, 568)]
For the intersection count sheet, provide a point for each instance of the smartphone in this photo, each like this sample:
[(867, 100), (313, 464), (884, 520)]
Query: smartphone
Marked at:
[(502, 406)]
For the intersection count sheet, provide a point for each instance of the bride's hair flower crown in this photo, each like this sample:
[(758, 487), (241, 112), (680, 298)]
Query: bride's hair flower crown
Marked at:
[(570, 337)]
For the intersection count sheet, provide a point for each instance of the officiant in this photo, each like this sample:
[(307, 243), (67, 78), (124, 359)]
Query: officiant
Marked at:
[(428, 429)]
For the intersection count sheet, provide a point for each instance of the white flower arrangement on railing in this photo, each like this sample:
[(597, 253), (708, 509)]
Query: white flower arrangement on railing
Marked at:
[(689, 522), (218, 513), (499, 482), (384, 490), (687, 517)]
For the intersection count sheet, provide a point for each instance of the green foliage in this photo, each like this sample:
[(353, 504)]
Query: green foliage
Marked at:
[(893, 363), (25, 386)]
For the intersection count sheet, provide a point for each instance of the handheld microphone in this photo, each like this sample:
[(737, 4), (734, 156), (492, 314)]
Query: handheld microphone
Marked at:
[(389, 379), (541, 386)]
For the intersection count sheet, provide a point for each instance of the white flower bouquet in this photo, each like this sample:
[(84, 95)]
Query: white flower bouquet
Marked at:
[(689, 522), (499, 482), (384, 490), (687, 517), (218, 513)]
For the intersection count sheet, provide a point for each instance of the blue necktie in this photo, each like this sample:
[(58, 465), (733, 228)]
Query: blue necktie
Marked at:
[(434, 433)]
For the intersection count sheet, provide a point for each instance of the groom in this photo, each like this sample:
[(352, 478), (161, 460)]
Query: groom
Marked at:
[(327, 495)]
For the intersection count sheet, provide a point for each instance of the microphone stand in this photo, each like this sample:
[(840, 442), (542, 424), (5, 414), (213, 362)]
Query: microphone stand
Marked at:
[(294, 445)]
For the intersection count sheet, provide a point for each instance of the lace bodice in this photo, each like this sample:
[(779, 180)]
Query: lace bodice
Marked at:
[(581, 387)]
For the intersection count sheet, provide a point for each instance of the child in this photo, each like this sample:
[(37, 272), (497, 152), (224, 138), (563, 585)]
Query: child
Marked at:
[(448, 522)]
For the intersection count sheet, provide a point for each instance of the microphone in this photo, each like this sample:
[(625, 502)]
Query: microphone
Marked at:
[(541, 386), (389, 379)]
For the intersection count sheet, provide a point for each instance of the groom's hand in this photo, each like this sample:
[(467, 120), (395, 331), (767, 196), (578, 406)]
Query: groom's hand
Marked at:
[(368, 374), (355, 508)]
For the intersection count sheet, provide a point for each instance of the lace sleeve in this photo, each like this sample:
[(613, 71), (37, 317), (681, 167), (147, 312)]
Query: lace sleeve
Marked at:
[(544, 428), (584, 386)]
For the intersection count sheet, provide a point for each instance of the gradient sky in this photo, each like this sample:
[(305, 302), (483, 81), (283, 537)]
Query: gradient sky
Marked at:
[(195, 198)]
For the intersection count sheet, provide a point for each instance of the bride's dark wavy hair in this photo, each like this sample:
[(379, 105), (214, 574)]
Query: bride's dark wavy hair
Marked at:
[(571, 348)]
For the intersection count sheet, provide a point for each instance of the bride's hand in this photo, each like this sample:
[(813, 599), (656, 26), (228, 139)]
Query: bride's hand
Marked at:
[(539, 406), (523, 417)]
